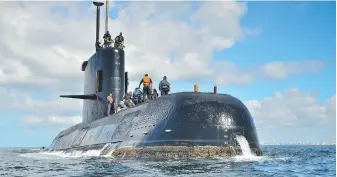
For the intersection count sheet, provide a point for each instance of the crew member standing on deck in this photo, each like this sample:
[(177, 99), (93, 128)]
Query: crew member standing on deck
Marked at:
[(110, 101), (164, 86), (119, 41), (107, 39), (137, 96), (147, 85)]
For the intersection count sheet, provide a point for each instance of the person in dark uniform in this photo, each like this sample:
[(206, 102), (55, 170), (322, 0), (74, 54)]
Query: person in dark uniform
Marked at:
[(107, 39), (147, 85), (137, 96), (119, 41), (164, 86), (98, 45)]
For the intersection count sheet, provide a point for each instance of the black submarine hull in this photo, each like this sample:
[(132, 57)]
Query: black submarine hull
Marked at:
[(179, 119), (186, 119)]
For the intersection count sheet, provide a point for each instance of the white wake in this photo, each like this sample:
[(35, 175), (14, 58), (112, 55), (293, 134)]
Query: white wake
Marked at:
[(246, 152), (69, 154)]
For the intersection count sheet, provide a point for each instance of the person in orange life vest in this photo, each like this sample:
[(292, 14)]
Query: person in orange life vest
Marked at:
[(147, 86)]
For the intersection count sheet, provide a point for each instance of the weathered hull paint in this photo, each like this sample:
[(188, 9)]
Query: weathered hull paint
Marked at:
[(184, 119), (179, 119)]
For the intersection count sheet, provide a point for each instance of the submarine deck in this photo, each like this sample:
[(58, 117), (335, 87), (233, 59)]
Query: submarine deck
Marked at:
[(178, 119)]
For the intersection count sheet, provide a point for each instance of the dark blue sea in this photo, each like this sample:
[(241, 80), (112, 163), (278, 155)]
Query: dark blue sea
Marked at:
[(277, 161)]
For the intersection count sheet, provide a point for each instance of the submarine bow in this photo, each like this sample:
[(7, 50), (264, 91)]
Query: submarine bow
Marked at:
[(179, 119), (185, 119)]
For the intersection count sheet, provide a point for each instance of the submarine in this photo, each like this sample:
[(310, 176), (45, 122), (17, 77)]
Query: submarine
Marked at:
[(193, 124)]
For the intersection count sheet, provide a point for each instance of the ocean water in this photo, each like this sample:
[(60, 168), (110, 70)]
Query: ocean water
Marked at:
[(276, 161)]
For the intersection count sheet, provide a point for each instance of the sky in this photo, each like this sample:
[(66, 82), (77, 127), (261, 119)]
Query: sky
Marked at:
[(278, 58)]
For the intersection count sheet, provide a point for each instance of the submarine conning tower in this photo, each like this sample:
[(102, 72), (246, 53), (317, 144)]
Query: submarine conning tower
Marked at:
[(194, 124), (104, 73)]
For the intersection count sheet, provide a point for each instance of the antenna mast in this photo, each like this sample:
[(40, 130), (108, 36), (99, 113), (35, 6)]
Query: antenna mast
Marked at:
[(97, 4), (106, 15)]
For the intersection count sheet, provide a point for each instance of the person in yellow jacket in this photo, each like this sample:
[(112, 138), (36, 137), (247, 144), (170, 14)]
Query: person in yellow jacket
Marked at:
[(147, 86)]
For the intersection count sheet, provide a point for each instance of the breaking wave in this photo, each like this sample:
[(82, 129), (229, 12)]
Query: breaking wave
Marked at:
[(103, 152)]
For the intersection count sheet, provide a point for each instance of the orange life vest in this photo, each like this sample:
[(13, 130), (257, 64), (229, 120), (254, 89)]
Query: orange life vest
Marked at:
[(146, 80)]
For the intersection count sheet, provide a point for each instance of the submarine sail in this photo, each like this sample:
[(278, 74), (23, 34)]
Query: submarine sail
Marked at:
[(193, 123)]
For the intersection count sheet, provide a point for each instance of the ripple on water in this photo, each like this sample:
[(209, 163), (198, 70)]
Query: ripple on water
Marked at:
[(277, 161)]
